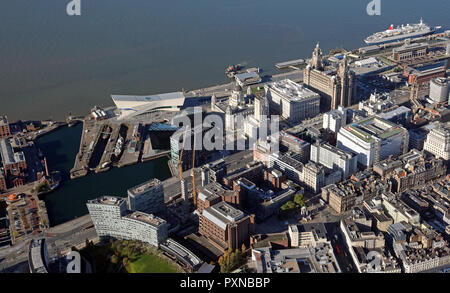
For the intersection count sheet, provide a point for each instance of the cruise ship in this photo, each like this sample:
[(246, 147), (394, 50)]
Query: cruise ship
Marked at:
[(400, 33)]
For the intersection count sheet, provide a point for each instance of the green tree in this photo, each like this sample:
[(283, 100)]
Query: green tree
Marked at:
[(114, 259), (299, 199), (288, 206)]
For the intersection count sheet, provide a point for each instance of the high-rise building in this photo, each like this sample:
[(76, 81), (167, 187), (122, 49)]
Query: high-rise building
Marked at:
[(292, 101), (147, 197), (111, 219), (439, 89), (337, 87), (261, 107), (373, 139), (334, 119), (438, 142), (334, 158)]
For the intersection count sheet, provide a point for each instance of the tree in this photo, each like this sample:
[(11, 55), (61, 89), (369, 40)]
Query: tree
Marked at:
[(114, 259), (243, 249), (288, 206), (299, 199)]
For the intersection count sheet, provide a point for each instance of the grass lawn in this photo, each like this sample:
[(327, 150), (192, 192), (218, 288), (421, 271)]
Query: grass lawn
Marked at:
[(146, 263)]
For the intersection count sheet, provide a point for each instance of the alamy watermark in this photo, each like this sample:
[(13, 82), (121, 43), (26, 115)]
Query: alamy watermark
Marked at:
[(237, 133), (374, 7), (74, 262), (74, 8)]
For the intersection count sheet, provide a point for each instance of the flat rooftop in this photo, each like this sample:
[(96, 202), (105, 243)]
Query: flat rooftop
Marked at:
[(319, 228), (397, 111), (149, 98), (291, 90), (3, 120), (144, 187), (212, 190), (293, 139), (373, 127), (410, 47), (343, 154), (147, 218), (36, 255), (222, 214), (107, 200), (8, 155)]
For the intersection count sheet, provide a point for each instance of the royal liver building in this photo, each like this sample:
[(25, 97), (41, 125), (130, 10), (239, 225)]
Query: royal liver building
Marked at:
[(337, 86)]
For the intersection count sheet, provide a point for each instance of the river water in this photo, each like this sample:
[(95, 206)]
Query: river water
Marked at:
[(52, 64), (69, 200)]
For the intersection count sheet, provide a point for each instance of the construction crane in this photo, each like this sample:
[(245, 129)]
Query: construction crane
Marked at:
[(414, 99), (194, 191), (414, 95), (180, 166)]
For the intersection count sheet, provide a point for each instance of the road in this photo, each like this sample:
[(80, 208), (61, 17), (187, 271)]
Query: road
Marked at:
[(59, 239), (224, 89)]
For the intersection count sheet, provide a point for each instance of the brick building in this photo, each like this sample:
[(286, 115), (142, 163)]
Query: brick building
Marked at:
[(226, 226)]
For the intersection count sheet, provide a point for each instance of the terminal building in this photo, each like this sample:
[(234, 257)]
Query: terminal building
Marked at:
[(373, 139), (409, 52), (130, 107), (292, 101)]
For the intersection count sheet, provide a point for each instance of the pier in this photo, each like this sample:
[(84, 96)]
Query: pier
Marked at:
[(290, 64)]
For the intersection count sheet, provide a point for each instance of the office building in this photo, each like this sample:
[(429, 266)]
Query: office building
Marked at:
[(319, 259), (438, 141), (202, 155), (439, 90), (226, 226), (412, 169), (213, 193), (398, 210), (337, 87), (111, 219), (291, 143), (335, 119), (307, 235), (261, 107), (359, 187), (38, 259), (292, 101), (334, 158), (147, 197), (373, 139), (423, 250), (409, 52), (377, 103)]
